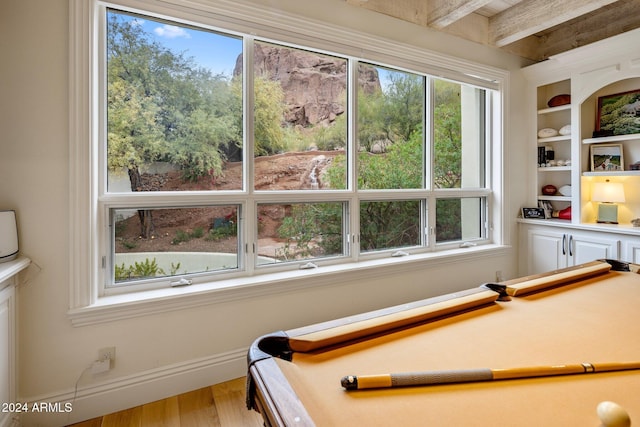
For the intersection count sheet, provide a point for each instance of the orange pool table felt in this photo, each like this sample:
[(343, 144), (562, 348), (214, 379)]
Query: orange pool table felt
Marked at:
[(590, 318)]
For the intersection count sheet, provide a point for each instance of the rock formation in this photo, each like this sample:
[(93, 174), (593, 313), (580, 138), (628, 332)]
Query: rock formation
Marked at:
[(314, 85)]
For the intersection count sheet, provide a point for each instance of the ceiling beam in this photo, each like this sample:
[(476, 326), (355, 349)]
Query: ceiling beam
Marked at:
[(533, 16), (414, 11), (442, 13), (608, 21)]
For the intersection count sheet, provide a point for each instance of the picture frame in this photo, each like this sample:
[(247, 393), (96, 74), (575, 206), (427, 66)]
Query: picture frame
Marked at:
[(533, 213), (618, 114), (606, 158)]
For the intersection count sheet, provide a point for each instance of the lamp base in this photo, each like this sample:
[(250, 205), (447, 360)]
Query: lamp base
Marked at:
[(607, 213)]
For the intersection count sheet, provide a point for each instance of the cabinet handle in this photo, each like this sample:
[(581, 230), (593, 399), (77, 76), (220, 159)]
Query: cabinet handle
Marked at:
[(564, 244), (571, 245)]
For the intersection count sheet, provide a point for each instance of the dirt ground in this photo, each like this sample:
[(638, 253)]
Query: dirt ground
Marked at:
[(289, 171)]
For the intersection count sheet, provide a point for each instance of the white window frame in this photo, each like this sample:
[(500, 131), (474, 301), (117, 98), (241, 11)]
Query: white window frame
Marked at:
[(88, 302)]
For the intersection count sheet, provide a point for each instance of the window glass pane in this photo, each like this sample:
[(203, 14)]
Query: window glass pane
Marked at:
[(300, 122), (300, 231), (389, 224), (459, 135), (460, 219), (174, 107), (390, 123), (177, 241)]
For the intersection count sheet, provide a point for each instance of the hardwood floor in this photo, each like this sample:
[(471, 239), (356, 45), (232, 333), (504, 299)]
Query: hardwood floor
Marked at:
[(221, 405)]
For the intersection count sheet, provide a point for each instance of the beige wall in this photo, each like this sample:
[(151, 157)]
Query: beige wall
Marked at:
[(34, 179)]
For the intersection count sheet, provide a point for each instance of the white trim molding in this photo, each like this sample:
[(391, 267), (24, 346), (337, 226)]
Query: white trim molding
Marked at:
[(86, 304), (113, 395)]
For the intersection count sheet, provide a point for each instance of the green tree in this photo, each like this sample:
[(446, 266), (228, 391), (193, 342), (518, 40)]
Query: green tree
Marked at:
[(269, 109), (403, 107), (162, 106), (447, 134)]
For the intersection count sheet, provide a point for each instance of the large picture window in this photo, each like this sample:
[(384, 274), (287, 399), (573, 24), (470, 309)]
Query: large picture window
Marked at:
[(226, 155)]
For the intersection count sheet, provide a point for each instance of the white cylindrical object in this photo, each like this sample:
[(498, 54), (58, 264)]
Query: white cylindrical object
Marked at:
[(8, 236)]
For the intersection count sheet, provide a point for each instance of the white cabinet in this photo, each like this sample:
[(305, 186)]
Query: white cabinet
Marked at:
[(7, 347), (8, 329), (550, 248)]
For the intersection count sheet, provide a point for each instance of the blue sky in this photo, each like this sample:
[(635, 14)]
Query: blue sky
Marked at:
[(210, 50), (216, 52)]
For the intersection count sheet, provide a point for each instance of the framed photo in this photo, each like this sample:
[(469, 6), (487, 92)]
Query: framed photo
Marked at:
[(619, 114), (606, 158), (535, 213)]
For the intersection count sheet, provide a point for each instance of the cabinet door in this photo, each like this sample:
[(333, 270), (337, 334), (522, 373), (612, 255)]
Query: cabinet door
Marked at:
[(547, 251), (586, 248), (632, 251), (7, 348)]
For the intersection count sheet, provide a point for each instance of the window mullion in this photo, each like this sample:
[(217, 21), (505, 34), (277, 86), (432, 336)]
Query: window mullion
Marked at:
[(248, 233), (353, 210)]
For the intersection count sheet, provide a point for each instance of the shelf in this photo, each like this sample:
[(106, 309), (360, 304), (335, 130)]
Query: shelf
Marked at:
[(11, 268), (555, 198), (612, 173), (555, 139), (615, 138), (554, 169), (554, 109)]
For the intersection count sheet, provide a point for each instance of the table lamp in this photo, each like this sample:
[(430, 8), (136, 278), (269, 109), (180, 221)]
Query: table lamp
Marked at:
[(608, 194)]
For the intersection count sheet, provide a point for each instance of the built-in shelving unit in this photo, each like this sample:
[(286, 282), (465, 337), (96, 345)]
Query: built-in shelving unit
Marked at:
[(586, 74), (549, 173)]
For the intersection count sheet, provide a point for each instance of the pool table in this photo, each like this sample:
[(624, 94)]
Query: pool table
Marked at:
[(583, 314)]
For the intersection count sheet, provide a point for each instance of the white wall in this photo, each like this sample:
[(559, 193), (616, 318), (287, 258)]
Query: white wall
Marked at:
[(195, 347)]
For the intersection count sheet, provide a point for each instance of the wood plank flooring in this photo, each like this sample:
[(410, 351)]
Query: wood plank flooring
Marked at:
[(221, 405)]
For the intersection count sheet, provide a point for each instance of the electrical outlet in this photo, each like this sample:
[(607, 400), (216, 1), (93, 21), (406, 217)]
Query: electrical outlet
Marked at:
[(105, 361), (100, 366), (107, 353)]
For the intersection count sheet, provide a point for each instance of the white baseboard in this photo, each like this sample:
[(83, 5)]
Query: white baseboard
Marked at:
[(114, 395)]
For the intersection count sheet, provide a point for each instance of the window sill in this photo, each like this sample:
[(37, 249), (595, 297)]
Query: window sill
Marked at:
[(136, 304)]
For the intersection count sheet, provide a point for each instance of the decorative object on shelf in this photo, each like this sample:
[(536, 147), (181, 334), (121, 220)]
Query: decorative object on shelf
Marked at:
[(565, 130), (619, 113), (635, 166), (542, 162), (546, 158), (533, 213), (635, 222), (548, 208), (8, 236), (562, 214), (606, 158), (607, 194), (559, 100), (549, 153), (547, 133), (565, 190), (549, 190)]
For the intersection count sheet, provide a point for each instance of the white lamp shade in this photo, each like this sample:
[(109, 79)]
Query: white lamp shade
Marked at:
[(608, 192)]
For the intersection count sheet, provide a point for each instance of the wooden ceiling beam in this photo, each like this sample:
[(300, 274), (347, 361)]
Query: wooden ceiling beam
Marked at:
[(442, 13), (533, 16), (607, 22), (414, 11)]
